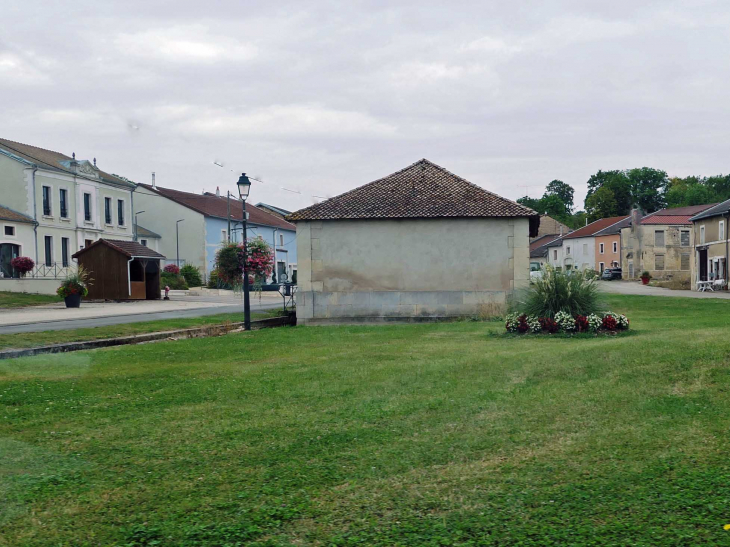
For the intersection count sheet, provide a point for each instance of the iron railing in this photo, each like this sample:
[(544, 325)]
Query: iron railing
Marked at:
[(55, 270)]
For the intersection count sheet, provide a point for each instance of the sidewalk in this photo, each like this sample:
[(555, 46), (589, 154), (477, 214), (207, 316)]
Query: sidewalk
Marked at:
[(633, 287)]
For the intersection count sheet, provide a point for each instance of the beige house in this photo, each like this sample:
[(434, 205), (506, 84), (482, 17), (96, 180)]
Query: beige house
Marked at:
[(421, 243), (71, 202), (549, 226), (660, 243), (710, 242)]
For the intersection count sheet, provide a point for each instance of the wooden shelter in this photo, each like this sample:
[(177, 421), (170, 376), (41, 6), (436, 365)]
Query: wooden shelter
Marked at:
[(121, 270)]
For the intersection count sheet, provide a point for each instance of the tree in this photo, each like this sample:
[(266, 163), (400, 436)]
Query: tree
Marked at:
[(532, 203), (563, 191), (619, 185), (601, 204), (553, 206), (648, 188), (688, 191)]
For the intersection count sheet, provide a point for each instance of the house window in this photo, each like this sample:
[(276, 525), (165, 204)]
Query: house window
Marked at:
[(684, 262), (281, 239), (143, 242), (631, 270), (88, 242), (585, 248), (702, 234), (658, 262), (10, 231), (658, 238), (601, 267), (722, 230), (555, 254), (615, 246), (108, 210), (48, 240), (47, 201), (87, 207), (223, 236), (567, 251), (64, 252), (684, 238), (63, 202), (120, 212), (600, 247)]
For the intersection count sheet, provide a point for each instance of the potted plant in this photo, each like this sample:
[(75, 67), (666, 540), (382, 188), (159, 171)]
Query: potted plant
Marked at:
[(74, 288), (645, 277), (22, 264)]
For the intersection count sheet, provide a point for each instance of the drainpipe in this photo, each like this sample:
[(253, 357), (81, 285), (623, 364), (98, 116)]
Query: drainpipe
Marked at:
[(727, 222), (129, 276), (35, 214)]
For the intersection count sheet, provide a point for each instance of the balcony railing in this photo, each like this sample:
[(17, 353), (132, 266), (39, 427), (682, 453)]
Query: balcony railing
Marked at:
[(46, 209), (55, 270)]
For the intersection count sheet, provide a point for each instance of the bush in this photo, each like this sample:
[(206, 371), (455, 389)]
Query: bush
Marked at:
[(192, 275), (75, 283), (564, 322), (172, 269), (176, 282), (571, 292), (23, 264)]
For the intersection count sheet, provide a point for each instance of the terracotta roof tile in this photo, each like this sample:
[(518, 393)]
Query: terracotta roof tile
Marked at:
[(667, 219), (6, 213), (594, 227), (127, 248), (217, 206), (676, 215), (421, 190)]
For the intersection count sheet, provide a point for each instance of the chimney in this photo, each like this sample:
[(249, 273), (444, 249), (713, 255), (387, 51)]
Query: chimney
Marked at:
[(218, 191), (635, 218), (153, 180)]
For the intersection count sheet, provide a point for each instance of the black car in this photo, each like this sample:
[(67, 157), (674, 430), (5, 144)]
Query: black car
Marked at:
[(610, 274)]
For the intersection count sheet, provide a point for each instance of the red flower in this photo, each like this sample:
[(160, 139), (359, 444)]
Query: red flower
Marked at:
[(581, 323), (609, 322), (548, 325)]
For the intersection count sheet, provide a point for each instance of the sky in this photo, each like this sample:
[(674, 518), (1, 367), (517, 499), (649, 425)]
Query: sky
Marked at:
[(318, 97)]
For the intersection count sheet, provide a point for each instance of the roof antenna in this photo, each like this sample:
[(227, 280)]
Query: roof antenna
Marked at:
[(94, 162), (73, 155)]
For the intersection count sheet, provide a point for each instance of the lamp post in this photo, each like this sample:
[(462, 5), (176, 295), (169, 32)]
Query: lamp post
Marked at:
[(244, 187), (135, 223), (177, 240)]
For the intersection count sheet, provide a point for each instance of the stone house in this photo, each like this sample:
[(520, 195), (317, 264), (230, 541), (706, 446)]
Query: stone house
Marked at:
[(710, 244), (660, 243), (549, 226), (421, 243)]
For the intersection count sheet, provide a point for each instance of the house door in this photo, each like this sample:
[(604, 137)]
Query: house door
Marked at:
[(8, 251), (703, 264)]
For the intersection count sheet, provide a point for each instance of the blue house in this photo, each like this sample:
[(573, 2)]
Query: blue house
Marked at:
[(194, 226)]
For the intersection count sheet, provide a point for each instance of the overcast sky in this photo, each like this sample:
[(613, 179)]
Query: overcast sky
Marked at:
[(321, 97)]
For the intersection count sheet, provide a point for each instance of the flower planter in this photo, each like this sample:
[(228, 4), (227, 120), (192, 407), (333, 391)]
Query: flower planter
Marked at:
[(73, 301), (645, 280)]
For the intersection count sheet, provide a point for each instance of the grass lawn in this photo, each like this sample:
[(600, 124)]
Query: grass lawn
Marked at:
[(45, 338), (21, 299), (433, 434)]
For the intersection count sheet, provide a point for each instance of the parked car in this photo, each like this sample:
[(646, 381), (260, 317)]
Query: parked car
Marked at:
[(609, 274)]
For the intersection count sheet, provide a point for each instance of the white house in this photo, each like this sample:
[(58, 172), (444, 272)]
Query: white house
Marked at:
[(577, 250)]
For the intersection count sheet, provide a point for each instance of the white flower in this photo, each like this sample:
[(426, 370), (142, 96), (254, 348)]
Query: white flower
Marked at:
[(565, 320), (594, 322)]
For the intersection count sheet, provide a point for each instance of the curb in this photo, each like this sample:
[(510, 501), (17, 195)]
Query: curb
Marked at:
[(197, 332)]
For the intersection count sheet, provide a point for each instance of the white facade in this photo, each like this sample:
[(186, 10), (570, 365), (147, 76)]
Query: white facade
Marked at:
[(573, 254)]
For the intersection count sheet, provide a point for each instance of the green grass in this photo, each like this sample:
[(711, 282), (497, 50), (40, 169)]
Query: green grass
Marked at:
[(21, 299), (45, 338), (430, 434)]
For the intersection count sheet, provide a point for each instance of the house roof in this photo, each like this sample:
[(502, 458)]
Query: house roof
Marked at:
[(128, 248), (540, 247), (6, 213), (555, 242), (421, 190), (55, 161), (543, 240), (548, 225), (593, 227), (144, 232), (614, 228), (716, 210), (279, 210), (676, 215), (217, 206)]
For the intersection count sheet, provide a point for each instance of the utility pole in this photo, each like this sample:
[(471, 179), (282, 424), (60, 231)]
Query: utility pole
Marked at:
[(177, 240), (229, 218)]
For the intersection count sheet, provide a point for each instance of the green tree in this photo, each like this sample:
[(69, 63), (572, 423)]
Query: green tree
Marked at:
[(563, 191), (532, 203), (648, 188), (601, 204), (619, 185)]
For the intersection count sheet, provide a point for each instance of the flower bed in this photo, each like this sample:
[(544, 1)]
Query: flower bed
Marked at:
[(606, 323)]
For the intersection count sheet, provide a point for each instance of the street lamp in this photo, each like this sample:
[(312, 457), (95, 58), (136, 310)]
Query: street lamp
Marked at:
[(177, 240), (244, 187), (135, 223)]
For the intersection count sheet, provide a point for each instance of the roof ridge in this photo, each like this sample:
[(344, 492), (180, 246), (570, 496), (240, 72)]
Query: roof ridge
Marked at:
[(34, 146)]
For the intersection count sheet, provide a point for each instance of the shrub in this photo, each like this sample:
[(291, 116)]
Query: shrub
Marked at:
[(75, 283), (645, 275), (594, 322), (565, 321), (172, 269), (23, 264), (570, 292), (230, 258), (590, 273), (609, 322), (174, 281), (549, 325), (191, 275), (581, 323)]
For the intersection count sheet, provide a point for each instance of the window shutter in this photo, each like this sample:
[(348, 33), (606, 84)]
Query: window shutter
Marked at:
[(685, 262), (658, 262)]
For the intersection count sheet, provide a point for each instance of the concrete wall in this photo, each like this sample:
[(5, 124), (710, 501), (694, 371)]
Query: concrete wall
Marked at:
[(404, 269), (582, 253), (639, 251), (29, 285), (608, 257), (717, 246)]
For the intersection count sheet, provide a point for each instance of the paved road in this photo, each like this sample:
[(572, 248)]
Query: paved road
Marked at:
[(632, 287), (89, 322)]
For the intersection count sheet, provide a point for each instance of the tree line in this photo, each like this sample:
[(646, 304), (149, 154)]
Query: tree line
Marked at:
[(615, 193)]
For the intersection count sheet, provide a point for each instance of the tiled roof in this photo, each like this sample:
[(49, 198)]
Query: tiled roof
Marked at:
[(127, 248), (719, 209), (543, 245), (144, 232), (593, 227), (55, 161), (6, 213), (217, 206), (615, 228), (421, 190), (543, 240), (274, 208), (676, 215), (555, 242)]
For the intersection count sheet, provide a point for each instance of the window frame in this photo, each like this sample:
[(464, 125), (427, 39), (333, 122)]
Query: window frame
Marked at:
[(143, 242), (48, 250), (721, 231), (65, 251), (600, 249), (13, 227), (663, 236), (656, 267), (681, 234), (63, 203), (601, 267), (108, 213), (47, 200), (689, 262), (281, 240), (121, 221), (88, 211), (615, 246), (702, 235)]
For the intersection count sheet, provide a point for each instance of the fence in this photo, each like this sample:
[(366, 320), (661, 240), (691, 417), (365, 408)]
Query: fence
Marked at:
[(55, 270)]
